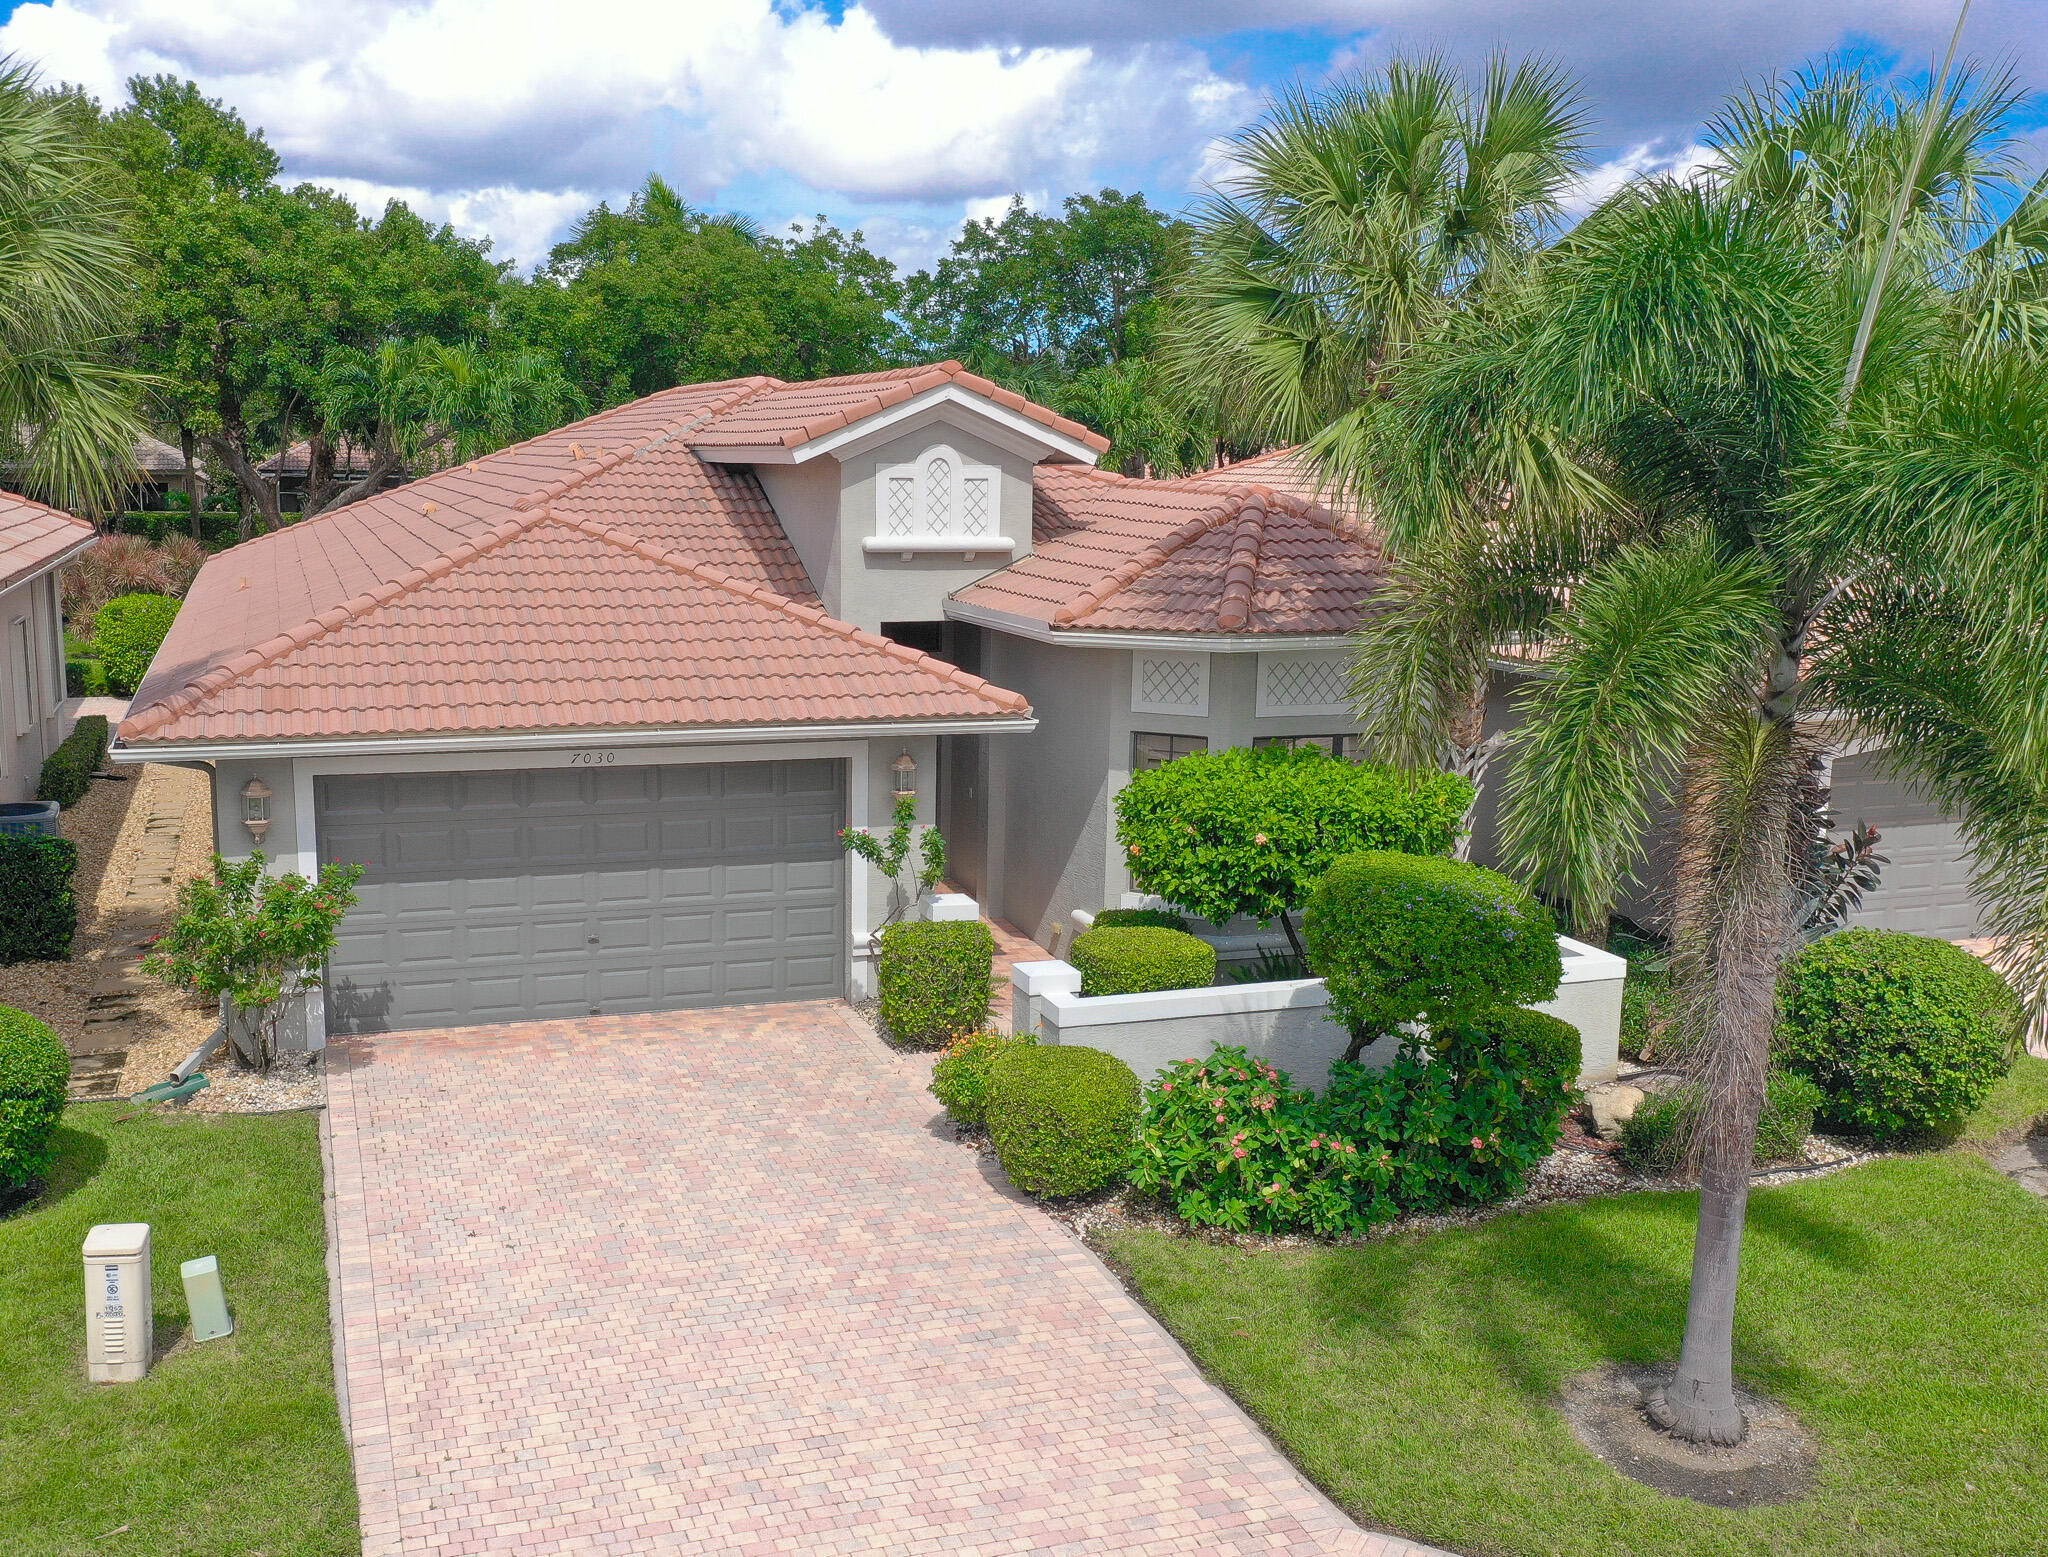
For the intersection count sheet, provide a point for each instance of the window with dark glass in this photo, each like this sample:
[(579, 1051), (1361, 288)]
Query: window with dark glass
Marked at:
[(1345, 746), (1149, 751)]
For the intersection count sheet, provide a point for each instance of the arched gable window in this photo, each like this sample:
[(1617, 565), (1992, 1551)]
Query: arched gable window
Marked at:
[(938, 497)]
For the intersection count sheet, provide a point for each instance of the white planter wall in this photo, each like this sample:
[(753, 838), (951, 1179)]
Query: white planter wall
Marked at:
[(1287, 1024)]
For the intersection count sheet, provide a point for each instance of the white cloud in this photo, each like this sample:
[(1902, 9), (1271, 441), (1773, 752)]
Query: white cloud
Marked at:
[(522, 224), (1652, 158), (508, 110)]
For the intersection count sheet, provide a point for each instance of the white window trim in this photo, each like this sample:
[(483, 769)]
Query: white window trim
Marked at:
[(1140, 704), (1263, 706), (945, 536), (21, 688)]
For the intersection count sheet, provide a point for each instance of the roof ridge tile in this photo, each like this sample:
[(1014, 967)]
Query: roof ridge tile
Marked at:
[(1092, 598), (1241, 569), (812, 615)]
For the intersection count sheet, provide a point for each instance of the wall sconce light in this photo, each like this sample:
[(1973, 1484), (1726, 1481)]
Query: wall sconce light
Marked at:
[(906, 777), (256, 809)]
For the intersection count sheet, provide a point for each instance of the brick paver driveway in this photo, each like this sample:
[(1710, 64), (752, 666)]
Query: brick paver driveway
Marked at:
[(715, 1283)]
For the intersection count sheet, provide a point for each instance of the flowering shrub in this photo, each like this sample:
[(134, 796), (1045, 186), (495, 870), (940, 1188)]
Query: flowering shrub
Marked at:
[(260, 940), (1229, 1143)]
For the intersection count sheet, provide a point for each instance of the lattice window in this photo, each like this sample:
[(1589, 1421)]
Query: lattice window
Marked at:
[(940, 498), (1303, 684), (1170, 683)]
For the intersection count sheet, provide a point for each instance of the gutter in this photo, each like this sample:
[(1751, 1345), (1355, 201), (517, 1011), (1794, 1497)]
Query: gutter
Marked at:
[(1084, 638), (566, 740)]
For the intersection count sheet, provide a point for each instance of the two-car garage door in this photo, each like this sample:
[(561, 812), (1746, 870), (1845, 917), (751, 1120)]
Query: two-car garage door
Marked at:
[(579, 891)]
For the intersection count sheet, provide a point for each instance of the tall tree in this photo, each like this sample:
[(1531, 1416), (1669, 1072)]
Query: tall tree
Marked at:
[(1722, 564), (66, 272), (1360, 219)]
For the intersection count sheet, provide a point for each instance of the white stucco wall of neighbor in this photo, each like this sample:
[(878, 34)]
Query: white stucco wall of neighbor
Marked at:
[(1285, 1023)]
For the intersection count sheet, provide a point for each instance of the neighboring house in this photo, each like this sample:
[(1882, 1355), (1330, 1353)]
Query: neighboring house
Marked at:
[(290, 469), (35, 543), (592, 710), (156, 469)]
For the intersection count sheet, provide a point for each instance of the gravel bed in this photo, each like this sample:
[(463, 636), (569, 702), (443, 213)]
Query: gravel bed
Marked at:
[(294, 1082)]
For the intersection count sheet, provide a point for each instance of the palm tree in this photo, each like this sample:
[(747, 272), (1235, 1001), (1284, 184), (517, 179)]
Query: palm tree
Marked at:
[(65, 272), (1148, 421), (1645, 464), (1359, 221)]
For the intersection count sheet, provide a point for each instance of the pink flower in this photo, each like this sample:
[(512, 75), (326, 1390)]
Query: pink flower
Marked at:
[(1258, 837), (1240, 1152), (1351, 1148), (1134, 848), (1317, 1141), (1166, 1086), (1237, 1137), (1477, 1143)]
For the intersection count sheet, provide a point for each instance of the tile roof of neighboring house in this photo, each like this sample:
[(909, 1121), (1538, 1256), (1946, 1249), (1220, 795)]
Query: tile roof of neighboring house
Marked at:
[(597, 576), (1284, 470), (350, 459), (33, 537), (154, 457), (783, 415), (1113, 554)]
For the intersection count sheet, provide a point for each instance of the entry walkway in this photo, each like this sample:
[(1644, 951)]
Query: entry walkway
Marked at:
[(717, 1283)]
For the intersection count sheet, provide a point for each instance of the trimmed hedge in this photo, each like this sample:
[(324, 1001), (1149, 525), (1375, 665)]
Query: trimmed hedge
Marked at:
[(38, 914), (934, 978), (960, 1079), (1403, 938), (1905, 1034), (67, 771), (128, 631), (1139, 918), (1129, 960), (1062, 1117), (35, 1073), (1654, 1139)]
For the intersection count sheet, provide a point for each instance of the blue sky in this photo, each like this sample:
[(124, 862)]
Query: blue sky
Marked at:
[(511, 117)]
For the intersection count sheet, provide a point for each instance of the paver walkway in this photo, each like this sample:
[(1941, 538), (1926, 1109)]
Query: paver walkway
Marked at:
[(710, 1283)]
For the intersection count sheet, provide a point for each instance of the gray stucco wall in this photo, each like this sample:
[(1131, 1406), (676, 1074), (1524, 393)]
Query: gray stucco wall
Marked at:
[(33, 603)]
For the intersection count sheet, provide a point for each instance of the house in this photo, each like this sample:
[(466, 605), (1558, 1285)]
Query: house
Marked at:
[(291, 468), (35, 543), (155, 470), (592, 710)]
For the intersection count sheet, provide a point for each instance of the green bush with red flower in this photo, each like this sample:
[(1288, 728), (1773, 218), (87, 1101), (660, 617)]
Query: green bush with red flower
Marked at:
[(257, 940)]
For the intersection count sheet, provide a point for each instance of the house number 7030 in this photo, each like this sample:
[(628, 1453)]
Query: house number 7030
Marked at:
[(592, 759)]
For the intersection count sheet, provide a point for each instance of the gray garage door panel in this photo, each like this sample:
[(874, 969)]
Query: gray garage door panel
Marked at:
[(549, 893)]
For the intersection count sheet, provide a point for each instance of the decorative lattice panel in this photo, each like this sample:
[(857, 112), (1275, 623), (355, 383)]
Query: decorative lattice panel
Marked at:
[(938, 495), (1170, 683), (1302, 683), (974, 506), (901, 515)]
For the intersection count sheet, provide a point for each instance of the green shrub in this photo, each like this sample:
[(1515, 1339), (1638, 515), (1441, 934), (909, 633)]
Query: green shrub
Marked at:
[(1228, 1143), (128, 631), (934, 978), (1466, 1120), (38, 914), (1061, 1117), (1904, 1034), (35, 1073), (1144, 918), (1130, 960), (960, 1079), (1247, 831), (1654, 1139), (1401, 938), (67, 771), (85, 678)]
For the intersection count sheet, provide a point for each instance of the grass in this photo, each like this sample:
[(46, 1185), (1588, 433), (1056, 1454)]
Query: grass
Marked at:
[(230, 1448), (2014, 1106), (1896, 1308)]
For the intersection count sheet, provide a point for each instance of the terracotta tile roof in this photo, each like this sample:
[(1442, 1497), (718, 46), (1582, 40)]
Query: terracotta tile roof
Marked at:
[(350, 459), (33, 536), (1112, 554), (784, 415), (414, 610)]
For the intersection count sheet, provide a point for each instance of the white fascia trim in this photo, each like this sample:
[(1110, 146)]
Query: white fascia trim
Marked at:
[(566, 740), (1209, 643), (1041, 438), (29, 575)]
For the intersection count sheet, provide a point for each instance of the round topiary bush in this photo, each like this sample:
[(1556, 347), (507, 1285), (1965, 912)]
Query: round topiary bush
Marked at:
[(1401, 938), (1062, 1117), (1654, 1138), (933, 978), (128, 631), (960, 1079), (35, 1073), (1120, 960), (1904, 1034)]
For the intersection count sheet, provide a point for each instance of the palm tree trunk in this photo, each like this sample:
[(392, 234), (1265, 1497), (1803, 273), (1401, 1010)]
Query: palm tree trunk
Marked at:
[(1732, 927), (1471, 753)]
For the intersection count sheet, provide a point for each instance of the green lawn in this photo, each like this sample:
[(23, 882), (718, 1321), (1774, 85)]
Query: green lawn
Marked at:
[(230, 1448), (2013, 1107), (1897, 1308)]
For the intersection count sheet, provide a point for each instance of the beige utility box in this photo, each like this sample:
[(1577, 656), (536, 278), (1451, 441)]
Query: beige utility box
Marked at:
[(119, 1323)]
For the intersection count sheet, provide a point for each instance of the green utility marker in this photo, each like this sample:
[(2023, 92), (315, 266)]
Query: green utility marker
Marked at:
[(206, 1298)]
